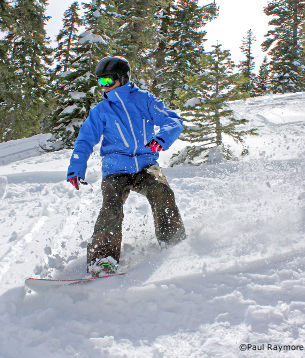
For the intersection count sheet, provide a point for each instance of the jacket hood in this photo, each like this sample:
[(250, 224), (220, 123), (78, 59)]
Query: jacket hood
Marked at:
[(122, 91)]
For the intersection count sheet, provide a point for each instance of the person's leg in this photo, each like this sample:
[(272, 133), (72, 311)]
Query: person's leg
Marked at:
[(107, 235), (152, 183)]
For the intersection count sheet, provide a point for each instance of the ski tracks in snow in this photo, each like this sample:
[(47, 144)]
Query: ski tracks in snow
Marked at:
[(38, 220), (15, 253)]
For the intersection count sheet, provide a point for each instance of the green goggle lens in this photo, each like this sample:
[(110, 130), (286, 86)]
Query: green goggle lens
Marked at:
[(106, 81)]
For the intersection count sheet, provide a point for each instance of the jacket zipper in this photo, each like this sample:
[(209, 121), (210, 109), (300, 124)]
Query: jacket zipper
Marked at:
[(161, 110), (144, 131), (122, 135), (132, 131)]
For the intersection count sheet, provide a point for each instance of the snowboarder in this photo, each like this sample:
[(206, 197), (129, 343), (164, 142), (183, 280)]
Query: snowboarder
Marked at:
[(130, 148)]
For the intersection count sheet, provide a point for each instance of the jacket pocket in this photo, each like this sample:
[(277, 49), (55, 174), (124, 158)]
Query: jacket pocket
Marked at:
[(122, 135)]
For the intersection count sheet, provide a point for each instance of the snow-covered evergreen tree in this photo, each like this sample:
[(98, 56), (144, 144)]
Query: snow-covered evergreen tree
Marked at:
[(137, 35), (262, 80), (65, 55), (247, 66), (159, 54), (6, 70), (284, 45), (68, 37), (180, 46), (133, 29), (79, 89), (26, 53), (5, 14), (206, 113)]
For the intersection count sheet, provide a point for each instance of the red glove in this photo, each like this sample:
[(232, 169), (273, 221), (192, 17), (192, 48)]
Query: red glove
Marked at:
[(75, 182), (154, 146)]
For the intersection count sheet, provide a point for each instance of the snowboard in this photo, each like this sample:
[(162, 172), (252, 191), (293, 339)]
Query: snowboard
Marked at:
[(41, 284)]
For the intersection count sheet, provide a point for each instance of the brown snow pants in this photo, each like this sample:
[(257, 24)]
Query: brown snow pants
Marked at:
[(151, 182)]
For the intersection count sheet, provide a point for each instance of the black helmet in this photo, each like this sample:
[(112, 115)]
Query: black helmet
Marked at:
[(113, 65)]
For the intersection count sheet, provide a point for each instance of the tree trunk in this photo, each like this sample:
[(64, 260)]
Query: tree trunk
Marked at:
[(295, 23)]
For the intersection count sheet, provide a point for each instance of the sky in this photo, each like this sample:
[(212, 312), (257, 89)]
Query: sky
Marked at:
[(235, 18)]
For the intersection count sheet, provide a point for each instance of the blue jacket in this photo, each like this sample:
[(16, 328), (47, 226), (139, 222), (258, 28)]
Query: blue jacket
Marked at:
[(126, 119)]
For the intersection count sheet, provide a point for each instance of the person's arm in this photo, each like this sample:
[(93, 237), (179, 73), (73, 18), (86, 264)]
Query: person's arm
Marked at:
[(169, 122), (89, 135)]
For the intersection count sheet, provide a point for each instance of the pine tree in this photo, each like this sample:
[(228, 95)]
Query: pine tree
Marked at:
[(27, 53), (6, 18), (113, 27), (208, 116), (134, 29), (247, 66), (262, 81), (137, 35), (284, 45), (68, 37), (159, 54), (180, 47), (6, 70), (79, 89)]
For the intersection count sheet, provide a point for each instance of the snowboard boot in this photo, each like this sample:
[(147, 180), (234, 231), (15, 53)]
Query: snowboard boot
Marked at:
[(102, 267)]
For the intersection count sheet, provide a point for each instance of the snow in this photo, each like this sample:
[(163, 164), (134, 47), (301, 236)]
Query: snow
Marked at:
[(69, 109), (96, 13), (89, 36), (22, 148), (238, 279), (192, 102), (77, 95)]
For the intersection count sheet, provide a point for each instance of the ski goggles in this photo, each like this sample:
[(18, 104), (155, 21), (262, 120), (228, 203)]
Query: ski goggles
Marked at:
[(107, 81)]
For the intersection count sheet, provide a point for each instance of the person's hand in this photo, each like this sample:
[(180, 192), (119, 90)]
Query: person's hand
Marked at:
[(154, 146), (75, 181)]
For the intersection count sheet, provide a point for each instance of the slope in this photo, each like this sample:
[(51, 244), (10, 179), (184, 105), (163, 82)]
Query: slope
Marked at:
[(237, 279)]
